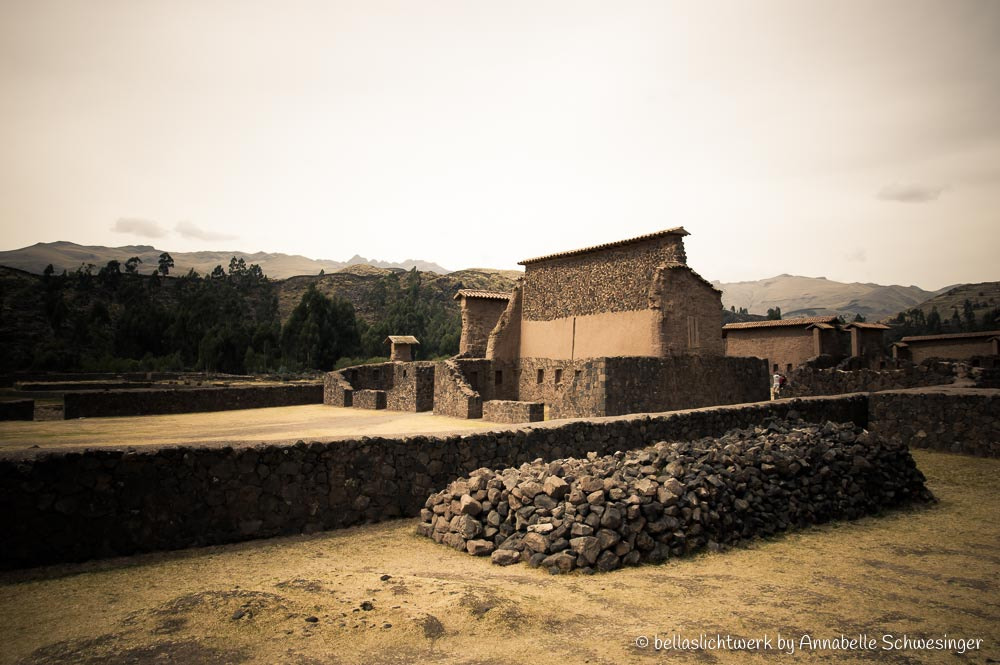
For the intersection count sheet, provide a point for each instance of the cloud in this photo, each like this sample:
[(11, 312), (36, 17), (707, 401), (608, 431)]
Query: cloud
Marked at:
[(189, 230), (139, 227), (910, 193)]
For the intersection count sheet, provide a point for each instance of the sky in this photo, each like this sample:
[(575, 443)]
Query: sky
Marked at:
[(854, 140)]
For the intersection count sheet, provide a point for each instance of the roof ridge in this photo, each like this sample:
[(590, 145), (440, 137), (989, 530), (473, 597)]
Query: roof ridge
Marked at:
[(677, 230)]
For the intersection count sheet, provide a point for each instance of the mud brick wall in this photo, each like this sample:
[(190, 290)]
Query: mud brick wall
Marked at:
[(636, 385), (18, 409), (187, 400), (806, 381), (612, 280), (781, 346), (70, 506), (509, 411), (958, 421)]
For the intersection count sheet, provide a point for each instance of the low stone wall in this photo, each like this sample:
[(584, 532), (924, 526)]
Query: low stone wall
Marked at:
[(18, 409), (63, 386), (70, 506), (99, 404), (337, 390), (369, 399), (955, 420), (509, 411), (807, 381)]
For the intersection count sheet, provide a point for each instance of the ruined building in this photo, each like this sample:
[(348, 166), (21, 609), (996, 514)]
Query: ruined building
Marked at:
[(623, 327)]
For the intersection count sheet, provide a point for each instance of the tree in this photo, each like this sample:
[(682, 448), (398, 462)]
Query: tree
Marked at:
[(319, 331), (859, 318), (774, 314), (968, 316), (132, 265), (165, 263)]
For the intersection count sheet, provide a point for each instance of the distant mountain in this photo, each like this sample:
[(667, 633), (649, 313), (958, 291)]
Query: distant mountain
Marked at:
[(818, 296), (983, 296), (69, 256)]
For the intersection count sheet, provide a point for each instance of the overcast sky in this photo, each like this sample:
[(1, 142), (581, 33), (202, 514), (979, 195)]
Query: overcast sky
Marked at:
[(853, 139)]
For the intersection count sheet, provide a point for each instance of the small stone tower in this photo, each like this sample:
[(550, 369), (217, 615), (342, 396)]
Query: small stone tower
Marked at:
[(402, 347)]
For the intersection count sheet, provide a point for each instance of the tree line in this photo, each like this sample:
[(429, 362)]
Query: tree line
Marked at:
[(117, 319)]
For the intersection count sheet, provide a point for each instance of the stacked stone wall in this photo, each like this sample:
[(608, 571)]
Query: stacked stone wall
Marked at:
[(453, 396), (508, 411), (953, 420), (568, 388), (369, 399), (69, 506), (408, 386), (112, 403), (612, 280), (18, 409), (807, 381), (479, 316)]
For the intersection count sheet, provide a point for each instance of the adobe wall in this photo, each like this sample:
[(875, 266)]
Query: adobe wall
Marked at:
[(479, 317), (783, 346), (690, 314), (650, 385), (70, 506), (807, 381), (953, 420), (113, 403), (956, 349), (17, 409), (631, 333), (616, 279)]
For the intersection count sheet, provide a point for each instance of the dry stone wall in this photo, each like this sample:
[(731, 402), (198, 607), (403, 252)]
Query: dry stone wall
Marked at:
[(408, 386), (508, 411), (69, 506), (953, 420), (110, 403), (806, 381)]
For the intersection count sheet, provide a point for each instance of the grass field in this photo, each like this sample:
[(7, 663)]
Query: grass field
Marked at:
[(926, 571)]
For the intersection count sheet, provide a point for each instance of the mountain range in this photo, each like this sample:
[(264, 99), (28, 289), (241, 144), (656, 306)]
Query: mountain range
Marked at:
[(795, 295), (63, 255)]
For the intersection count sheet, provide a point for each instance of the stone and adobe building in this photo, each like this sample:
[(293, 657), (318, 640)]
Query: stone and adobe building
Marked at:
[(480, 312), (623, 327), (401, 347), (955, 346), (867, 339), (785, 343)]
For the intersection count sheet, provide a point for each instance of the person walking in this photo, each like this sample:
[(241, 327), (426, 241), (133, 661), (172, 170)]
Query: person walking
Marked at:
[(776, 386)]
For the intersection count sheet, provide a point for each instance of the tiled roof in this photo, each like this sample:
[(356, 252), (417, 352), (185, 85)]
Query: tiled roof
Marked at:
[(867, 326), (970, 335), (489, 295), (673, 266), (402, 339), (677, 231), (821, 326), (802, 321)]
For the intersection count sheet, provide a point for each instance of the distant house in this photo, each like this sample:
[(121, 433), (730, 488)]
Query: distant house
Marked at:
[(786, 343), (866, 339), (480, 312), (956, 346), (401, 347)]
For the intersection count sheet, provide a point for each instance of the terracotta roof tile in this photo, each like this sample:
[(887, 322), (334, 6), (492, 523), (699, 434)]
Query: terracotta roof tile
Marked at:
[(782, 323), (867, 326), (676, 231), (401, 339), (987, 334), (489, 295)]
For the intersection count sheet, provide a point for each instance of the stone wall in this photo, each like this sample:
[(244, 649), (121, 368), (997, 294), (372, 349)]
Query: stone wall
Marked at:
[(17, 409), (70, 506), (806, 381), (649, 385), (509, 411), (953, 420), (369, 399), (453, 396), (569, 389), (110, 403), (616, 279), (408, 386), (955, 349), (691, 313), (479, 317), (505, 338)]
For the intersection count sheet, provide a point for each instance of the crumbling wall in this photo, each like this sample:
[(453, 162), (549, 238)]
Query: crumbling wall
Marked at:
[(505, 338), (479, 317), (408, 386), (453, 396), (953, 420)]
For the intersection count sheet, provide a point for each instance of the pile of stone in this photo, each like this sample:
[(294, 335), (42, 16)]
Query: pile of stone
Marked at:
[(670, 499)]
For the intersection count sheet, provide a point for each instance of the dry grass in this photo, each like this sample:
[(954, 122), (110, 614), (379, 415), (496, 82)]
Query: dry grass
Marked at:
[(925, 571)]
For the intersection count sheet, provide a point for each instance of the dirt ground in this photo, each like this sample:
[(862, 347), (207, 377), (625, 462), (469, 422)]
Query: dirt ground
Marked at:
[(314, 422), (380, 594)]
